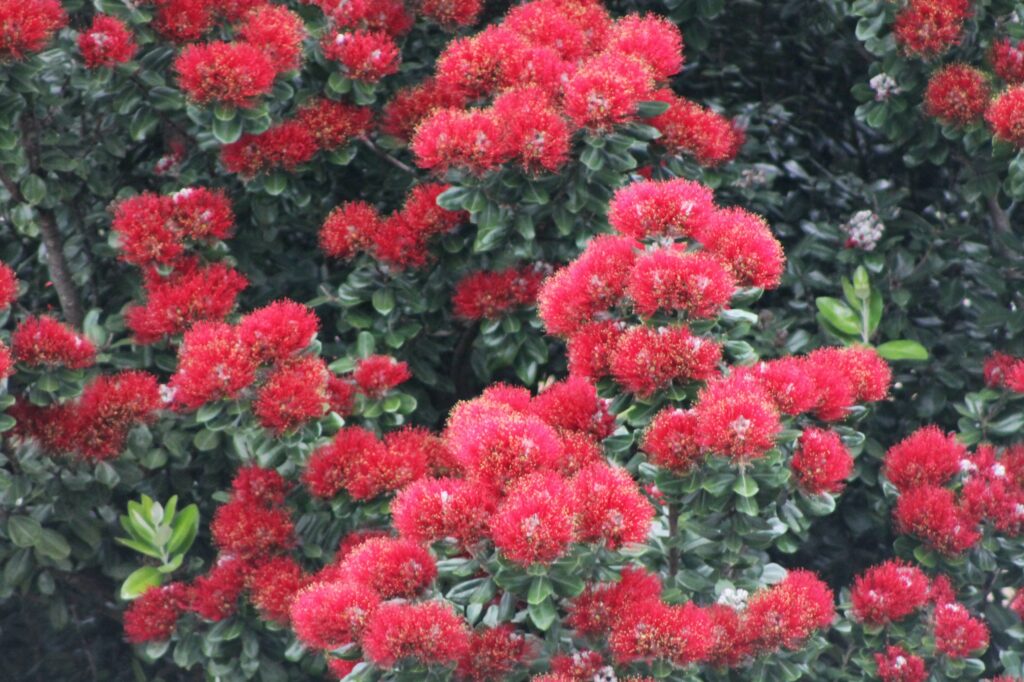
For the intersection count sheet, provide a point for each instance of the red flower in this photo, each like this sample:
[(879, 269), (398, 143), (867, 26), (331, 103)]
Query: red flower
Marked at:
[(475, 67), (366, 55), (27, 26), (284, 146), (671, 440), (673, 280), (107, 42), (654, 40), (428, 632), (451, 13), (889, 592), (785, 615), (276, 332), (331, 123), (729, 646), (400, 465), (214, 596), (493, 653), (579, 450), (821, 462), (389, 16), (330, 615), (491, 295), (745, 245), (332, 466), (896, 664), (183, 21), (145, 230), (1005, 116), (610, 509), (646, 359), (688, 128), (233, 74), (927, 28), (653, 210), (957, 633), (253, 485), (8, 286), (152, 617), (590, 349), (573, 404), (198, 213), (736, 419), (1017, 605), (582, 666), (646, 630), (601, 606), (865, 368), (349, 228), (605, 91), (925, 457), (378, 374), (452, 138), (931, 514), (790, 386), (535, 523), (6, 361), (545, 24), (294, 393), (431, 510), (213, 364), (392, 567), (248, 530), (997, 367), (416, 442), (278, 32), (411, 105), (97, 425), (273, 587), (43, 341), (957, 95), (535, 134), (1007, 60)]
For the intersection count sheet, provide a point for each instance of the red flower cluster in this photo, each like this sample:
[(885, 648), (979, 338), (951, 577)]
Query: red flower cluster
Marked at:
[(1005, 371), (1007, 60), (26, 27), (44, 342), (358, 462), (896, 664), (277, 31), (107, 42), (889, 592), (1005, 116), (428, 632), (821, 462), (492, 295), (688, 128), (957, 95), (365, 55), (958, 634), (8, 286), (400, 240), (152, 617), (232, 74), (320, 124), (928, 28), (377, 374)]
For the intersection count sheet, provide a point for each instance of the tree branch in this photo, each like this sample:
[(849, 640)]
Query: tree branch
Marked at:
[(1000, 220), (387, 157)]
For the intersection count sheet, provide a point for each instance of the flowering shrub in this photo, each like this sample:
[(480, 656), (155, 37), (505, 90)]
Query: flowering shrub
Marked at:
[(387, 340)]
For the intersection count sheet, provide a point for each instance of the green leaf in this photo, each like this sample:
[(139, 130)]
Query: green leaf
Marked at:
[(903, 350), (33, 189), (228, 131), (383, 301), (52, 544), (24, 531), (838, 314), (540, 590), (139, 581), (365, 344), (543, 615), (185, 527), (651, 109), (745, 486)]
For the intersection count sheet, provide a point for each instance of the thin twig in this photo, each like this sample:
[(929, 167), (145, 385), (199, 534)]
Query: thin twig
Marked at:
[(387, 157)]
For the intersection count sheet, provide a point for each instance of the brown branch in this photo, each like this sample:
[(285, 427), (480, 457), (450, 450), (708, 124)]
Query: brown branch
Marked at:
[(387, 157), (673, 532), (1000, 220)]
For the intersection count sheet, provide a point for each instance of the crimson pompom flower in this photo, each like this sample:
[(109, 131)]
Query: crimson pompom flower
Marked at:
[(398, 466), (957, 95), (588, 286), (788, 383), (736, 419), (688, 128), (273, 587), (284, 146), (648, 359), (896, 664), (535, 134), (198, 213), (745, 244), (278, 32), (654, 40), (451, 13), (331, 123), (651, 630), (673, 280), (6, 361), (610, 509), (190, 294), (1017, 604), (928, 28), (378, 374), (672, 441), (330, 615), (821, 462), (366, 55), (213, 364), (434, 509), (248, 530), (491, 295), (254, 485), (452, 138), (493, 653), (43, 341), (26, 27), (411, 105), (1005, 116), (331, 466), (581, 665), (8, 286), (107, 42), (545, 25), (590, 349), (214, 596), (785, 615), (957, 633), (417, 442), (926, 457), (599, 607), (389, 16), (152, 617), (393, 567), (429, 632), (278, 331), (729, 647), (889, 592), (836, 392), (653, 210), (574, 404), (476, 66), (931, 514), (110, 405), (184, 21), (293, 394), (1007, 60), (869, 373), (349, 228), (606, 90), (498, 446), (232, 74), (996, 368), (535, 523), (145, 231)]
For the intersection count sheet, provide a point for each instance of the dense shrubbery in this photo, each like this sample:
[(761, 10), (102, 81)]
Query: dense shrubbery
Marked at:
[(472, 340)]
